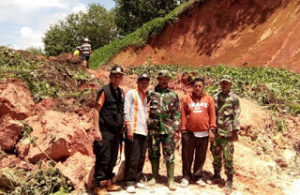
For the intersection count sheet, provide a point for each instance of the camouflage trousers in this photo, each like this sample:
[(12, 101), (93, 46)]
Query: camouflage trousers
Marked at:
[(222, 147), (168, 147)]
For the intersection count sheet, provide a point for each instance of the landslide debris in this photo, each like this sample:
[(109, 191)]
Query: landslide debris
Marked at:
[(57, 77)]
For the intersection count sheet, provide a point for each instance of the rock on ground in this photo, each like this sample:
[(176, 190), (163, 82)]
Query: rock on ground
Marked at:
[(10, 131), (77, 169), (59, 135), (15, 99)]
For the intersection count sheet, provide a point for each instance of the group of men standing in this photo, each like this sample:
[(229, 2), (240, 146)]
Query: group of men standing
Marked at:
[(200, 119)]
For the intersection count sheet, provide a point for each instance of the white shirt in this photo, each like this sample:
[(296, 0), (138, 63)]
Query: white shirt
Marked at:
[(201, 134), (135, 110)]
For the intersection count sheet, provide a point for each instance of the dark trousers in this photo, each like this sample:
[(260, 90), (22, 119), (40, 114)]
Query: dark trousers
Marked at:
[(135, 152), (192, 145), (106, 152)]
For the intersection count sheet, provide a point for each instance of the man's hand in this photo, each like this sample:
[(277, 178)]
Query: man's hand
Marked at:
[(211, 136), (98, 135), (176, 136), (129, 132), (234, 136)]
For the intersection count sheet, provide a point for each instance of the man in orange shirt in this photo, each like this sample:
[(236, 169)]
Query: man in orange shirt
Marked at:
[(198, 119)]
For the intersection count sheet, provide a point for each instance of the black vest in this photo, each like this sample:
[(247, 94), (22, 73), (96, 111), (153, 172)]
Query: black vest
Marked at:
[(112, 111)]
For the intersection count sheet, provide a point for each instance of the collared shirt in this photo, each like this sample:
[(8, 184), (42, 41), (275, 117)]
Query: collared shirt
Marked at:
[(228, 113), (164, 115), (135, 110)]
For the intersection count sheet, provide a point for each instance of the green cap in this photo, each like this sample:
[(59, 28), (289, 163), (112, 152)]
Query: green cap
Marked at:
[(163, 73), (226, 78)]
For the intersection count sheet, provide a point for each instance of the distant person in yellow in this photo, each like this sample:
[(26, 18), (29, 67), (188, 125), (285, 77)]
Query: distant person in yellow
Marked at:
[(77, 52)]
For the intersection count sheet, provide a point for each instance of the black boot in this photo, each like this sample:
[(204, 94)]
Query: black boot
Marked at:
[(215, 179)]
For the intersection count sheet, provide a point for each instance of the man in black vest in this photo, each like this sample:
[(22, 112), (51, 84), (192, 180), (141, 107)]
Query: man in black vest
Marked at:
[(108, 120)]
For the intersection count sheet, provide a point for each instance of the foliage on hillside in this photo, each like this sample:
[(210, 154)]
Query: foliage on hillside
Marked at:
[(44, 78), (276, 89), (130, 15), (139, 37), (46, 180)]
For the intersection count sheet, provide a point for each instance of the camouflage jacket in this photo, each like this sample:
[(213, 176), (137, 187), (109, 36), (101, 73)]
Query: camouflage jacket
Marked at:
[(164, 114), (228, 113)]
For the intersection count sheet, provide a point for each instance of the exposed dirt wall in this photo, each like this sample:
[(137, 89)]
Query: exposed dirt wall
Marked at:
[(235, 32)]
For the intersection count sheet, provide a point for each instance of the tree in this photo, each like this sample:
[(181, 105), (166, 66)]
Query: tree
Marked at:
[(97, 24), (132, 14)]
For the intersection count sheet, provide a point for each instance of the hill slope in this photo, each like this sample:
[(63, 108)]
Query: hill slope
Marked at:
[(236, 32)]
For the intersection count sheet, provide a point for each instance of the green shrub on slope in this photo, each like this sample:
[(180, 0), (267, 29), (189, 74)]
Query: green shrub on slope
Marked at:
[(277, 89)]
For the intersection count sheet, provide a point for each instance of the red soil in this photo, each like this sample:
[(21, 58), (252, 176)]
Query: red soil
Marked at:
[(233, 32)]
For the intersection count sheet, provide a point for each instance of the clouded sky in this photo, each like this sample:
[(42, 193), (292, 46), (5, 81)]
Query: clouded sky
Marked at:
[(24, 22)]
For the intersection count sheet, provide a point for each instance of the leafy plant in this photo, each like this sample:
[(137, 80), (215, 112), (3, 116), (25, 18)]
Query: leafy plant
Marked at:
[(45, 181), (276, 89)]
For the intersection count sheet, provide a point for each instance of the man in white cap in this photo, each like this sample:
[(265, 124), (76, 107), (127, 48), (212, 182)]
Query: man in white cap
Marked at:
[(86, 50)]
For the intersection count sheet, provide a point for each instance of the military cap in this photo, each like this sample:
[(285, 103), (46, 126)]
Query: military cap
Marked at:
[(117, 70), (226, 78), (144, 76), (163, 73)]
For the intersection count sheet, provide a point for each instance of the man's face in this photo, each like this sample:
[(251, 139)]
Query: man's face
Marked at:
[(116, 79), (225, 86), (143, 84), (163, 82), (198, 88)]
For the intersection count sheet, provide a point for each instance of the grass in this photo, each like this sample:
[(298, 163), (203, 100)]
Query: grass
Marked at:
[(43, 78), (138, 38), (276, 89)]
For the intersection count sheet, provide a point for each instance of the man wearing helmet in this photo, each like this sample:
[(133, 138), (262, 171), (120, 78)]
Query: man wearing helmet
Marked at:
[(86, 49)]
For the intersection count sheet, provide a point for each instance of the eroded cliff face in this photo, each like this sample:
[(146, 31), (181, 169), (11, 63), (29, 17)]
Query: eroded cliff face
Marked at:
[(235, 32)]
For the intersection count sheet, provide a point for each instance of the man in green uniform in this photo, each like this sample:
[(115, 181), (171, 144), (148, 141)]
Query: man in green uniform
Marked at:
[(228, 112), (163, 126)]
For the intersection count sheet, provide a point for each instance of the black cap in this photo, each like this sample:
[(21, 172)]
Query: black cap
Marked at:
[(144, 76), (117, 70)]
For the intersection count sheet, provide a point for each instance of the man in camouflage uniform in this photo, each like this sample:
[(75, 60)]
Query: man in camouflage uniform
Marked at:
[(228, 112), (163, 126)]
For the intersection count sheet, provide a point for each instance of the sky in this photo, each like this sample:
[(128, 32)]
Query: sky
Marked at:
[(24, 22)]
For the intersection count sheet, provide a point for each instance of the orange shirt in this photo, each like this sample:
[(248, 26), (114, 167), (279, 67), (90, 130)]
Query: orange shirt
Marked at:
[(101, 100), (198, 114)]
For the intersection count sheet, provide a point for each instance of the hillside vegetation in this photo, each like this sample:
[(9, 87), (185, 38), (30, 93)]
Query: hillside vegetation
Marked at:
[(276, 89), (45, 78), (138, 38)]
